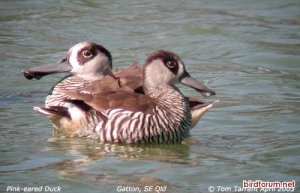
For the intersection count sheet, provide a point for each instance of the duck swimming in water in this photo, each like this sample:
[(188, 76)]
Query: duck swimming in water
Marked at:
[(71, 115)]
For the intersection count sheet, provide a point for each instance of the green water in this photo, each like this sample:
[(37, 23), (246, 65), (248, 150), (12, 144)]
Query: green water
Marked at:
[(247, 51)]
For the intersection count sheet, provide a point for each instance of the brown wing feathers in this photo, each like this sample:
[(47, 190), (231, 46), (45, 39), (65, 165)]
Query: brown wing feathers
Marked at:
[(116, 99), (130, 79), (106, 93), (132, 76)]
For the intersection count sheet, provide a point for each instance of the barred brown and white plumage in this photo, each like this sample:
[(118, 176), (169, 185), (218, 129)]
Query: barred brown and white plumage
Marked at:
[(58, 98), (111, 109), (163, 125), (163, 115)]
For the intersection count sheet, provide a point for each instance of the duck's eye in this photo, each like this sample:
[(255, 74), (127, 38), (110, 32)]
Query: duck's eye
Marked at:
[(171, 64), (87, 54)]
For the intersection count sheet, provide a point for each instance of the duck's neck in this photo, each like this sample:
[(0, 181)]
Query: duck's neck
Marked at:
[(169, 98)]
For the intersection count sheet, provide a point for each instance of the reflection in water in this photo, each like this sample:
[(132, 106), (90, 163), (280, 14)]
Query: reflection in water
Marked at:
[(90, 150)]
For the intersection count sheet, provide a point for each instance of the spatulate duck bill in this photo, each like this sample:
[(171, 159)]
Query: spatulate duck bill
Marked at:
[(40, 71), (191, 82)]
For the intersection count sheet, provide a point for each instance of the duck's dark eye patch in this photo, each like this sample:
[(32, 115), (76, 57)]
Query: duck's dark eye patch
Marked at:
[(87, 54), (172, 65), (169, 59)]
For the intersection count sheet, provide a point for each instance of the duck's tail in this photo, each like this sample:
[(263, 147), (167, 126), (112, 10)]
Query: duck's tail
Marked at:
[(53, 111)]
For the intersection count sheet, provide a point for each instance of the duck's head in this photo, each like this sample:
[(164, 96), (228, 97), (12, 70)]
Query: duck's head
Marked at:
[(164, 67), (85, 58)]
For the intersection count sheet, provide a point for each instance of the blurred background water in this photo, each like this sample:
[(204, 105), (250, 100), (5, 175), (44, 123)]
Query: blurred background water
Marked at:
[(247, 51)]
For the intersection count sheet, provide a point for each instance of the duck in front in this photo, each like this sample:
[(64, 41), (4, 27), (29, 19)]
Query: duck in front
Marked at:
[(161, 115)]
